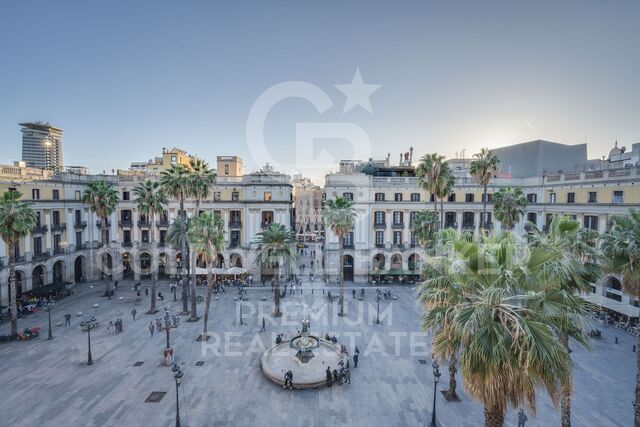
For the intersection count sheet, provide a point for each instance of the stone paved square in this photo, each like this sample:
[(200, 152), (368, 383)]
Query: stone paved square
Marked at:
[(47, 383)]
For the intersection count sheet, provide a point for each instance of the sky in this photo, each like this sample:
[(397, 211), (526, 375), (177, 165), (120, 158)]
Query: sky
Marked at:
[(258, 78)]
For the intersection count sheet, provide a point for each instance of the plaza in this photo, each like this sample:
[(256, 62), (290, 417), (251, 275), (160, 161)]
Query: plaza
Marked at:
[(48, 383)]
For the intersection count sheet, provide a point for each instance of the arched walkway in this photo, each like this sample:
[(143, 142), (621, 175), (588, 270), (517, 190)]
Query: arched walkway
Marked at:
[(58, 272), (127, 266), (20, 282), (220, 262), (396, 262), (235, 260), (162, 265), (38, 277), (415, 263), (145, 264), (78, 269), (347, 268), (614, 283), (379, 262)]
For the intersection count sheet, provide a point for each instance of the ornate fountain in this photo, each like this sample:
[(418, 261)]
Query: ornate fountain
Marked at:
[(304, 343)]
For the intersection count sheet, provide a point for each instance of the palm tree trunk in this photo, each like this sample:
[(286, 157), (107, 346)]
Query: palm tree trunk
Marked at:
[(636, 404), (565, 400), (484, 206), (493, 416), (453, 368), (194, 277), (12, 289), (435, 211), (207, 301), (183, 258), (276, 289), (442, 213), (341, 267), (105, 244), (154, 271)]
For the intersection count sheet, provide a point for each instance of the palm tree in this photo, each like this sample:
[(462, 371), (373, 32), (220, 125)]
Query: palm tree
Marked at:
[(275, 249), (572, 275), (423, 227), (429, 172), (340, 216), (150, 200), (17, 219), (444, 188), (508, 206), (175, 184), (206, 235), (483, 169), (200, 179), (102, 199), (483, 309), (621, 255)]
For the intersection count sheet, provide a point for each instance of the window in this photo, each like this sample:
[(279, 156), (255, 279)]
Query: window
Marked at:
[(468, 197), (77, 195), (38, 219), (12, 189), (235, 196), (348, 196), (126, 236), (412, 216), (379, 197), (397, 218), (489, 197), (452, 197), (126, 195), (267, 196), (468, 219), (432, 198), (174, 160), (397, 197), (379, 217), (593, 197), (552, 198), (56, 218), (55, 194), (618, 196), (415, 197), (397, 238), (78, 216), (78, 239), (532, 198), (226, 169), (235, 238), (348, 240), (163, 236), (235, 218), (532, 217), (216, 196), (56, 242), (591, 222), (267, 218), (37, 246), (571, 197), (145, 236), (379, 238), (217, 213), (35, 194)]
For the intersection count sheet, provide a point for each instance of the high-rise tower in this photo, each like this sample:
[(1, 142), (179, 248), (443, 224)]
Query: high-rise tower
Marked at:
[(42, 145)]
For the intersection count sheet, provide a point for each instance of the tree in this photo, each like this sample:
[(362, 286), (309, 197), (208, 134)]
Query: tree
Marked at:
[(444, 188), (339, 216), (576, 270), (175, 184), (423, 227), (621, 255), (17, 220), (508, 206), (484, 307), (199, 181), (483, 169), (206, 234), (151, 201), (102, 199), (275, 249), (429, 172)]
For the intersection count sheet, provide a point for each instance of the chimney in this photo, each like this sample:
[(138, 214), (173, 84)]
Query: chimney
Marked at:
[(400, 164), (410, 156)]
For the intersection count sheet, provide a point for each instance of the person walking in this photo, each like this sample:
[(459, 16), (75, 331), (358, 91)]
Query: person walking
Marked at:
[(146, 292), (133, 313), (151, 328), (67, 320), (121, 323), (263, 325), (329, 376), (353, 292), (522, 418), (356, 356), (110, 328)]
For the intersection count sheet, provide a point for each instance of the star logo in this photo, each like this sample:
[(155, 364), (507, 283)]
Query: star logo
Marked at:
[(357, 93)]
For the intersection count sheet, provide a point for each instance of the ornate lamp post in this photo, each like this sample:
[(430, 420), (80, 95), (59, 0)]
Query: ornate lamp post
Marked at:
[(177, 375), (48, 308), (87, 326), (240, 295), (436, 378), (167, 325), (378, 315)]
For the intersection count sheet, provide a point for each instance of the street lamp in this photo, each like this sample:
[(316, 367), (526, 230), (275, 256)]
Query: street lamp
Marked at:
[(87, 326), (378, 315), (436, 378), (177, 375), (241, 294), (167, 325), (48, 308), (175, 288)]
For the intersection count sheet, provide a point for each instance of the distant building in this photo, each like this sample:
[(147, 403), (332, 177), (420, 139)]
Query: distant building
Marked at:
[(307, 207), (229, 166), (78, 170), (169, 157), (42, 146)]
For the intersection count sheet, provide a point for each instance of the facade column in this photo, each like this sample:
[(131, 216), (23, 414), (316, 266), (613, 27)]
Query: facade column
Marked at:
[(602, 223), (134, 226), (459, 221), (476, 223), (113, 230), (71, 244), (47, 240)]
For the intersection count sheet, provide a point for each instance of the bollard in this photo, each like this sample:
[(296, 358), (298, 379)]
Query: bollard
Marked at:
[(616, 340)]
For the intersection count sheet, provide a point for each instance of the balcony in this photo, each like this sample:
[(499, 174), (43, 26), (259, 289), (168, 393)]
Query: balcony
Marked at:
[(20, 259), (144, 223), (39, 229), (348, 246), (80, 246), (58, 227), (382, 224), (162, 223), (99, 223), (80, 225), (235, 223), (125, 223), (397, 225), (487, 226), (127, 244), (42, 256), (450, 225), (234, 244), (59, 251), (398, 245), (468, 225), (266, 224), (380, 245), (160, 244)]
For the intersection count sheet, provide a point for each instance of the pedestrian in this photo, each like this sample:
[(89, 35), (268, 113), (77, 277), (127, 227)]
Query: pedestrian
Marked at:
[(67, 320), (329, 376), (115, 285), (109, 328), (160, 296), (522, 418), (353, 292), (263, 325), (121, 324), (146, 292), (356, 356), (133, 313), (151, 328)]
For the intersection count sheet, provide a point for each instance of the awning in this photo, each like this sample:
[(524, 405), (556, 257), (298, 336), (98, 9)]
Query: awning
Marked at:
[(611, 304), (45, 290), (203, 271), (235, 270)]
